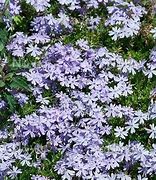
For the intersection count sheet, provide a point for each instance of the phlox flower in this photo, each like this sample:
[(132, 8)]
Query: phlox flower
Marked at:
[(152, 131), (120, 132), (14, 172), (132, 125), (33, 50)]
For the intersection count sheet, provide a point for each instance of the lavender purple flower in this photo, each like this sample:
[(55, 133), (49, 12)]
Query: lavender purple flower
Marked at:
[(78, 94)]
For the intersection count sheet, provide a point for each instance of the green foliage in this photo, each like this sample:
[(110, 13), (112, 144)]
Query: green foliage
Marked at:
[(137, 48), (2, 83), (12, 82), (19, 83), (11, 101), (48, 165), (3, 40), (27, 109)]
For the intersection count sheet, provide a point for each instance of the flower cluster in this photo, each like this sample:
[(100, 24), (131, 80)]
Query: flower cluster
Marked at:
[(10, 153), (80, 6), (44, 28), (96, 164), (80, 121), (124, 19), (21, 98), (39, 5), (80, 98)]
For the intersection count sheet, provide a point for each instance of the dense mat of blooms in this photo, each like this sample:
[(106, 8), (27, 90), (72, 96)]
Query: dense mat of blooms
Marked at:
[(124, 19), (78, 90)]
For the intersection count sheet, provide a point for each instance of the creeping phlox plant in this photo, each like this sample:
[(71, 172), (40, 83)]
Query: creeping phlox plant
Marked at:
[(77, 90), (124, 18)]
